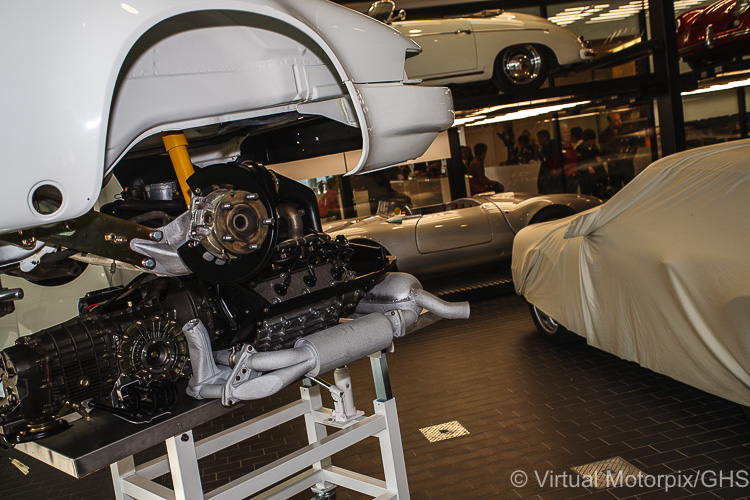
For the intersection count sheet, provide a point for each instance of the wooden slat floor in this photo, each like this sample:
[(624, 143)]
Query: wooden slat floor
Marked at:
[(527, 405)]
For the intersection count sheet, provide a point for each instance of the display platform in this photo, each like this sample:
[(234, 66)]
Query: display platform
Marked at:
[(90, 445)]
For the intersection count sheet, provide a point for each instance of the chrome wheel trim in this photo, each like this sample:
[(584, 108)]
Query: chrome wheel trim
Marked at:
[(548, 324), (522, 64)]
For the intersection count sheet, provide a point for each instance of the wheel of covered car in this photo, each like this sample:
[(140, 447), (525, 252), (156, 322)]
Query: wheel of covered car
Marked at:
[(550, 328), (521, 67)]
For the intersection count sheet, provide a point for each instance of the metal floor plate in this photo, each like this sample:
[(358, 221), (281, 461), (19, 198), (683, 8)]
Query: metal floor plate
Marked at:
[(441, 432), (608, 473)]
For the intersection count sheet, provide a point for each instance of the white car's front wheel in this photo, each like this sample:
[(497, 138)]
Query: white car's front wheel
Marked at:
[(521, 67), (550, 328)]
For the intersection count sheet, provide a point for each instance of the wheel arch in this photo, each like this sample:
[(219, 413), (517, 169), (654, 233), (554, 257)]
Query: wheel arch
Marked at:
[(152, 45)]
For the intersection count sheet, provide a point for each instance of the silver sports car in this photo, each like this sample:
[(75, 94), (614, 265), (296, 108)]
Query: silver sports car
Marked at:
[(463, 233)]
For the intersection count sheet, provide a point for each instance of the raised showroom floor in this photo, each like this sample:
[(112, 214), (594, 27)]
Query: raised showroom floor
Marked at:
[(527, 406)]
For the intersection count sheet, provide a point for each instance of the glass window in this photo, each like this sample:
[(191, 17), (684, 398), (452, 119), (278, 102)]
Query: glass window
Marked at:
[(328, 191), (711, 117), (605, 24), (589, 148), (534, 11), (413, 185), (609, 27)]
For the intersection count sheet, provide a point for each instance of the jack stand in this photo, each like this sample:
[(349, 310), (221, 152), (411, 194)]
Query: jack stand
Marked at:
[(308, 467), (344, 412)]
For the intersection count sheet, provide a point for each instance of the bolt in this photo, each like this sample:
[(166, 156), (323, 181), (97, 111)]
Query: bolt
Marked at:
[(253, 246), (28, 242), (115, 238), (226, 206), (148, 263), (156, 235), (267, 222), (185, 438), (227, 237), (251, 196)]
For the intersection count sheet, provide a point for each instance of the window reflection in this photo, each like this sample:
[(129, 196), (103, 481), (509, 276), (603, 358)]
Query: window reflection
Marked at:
[(593, 149), (711, 118)]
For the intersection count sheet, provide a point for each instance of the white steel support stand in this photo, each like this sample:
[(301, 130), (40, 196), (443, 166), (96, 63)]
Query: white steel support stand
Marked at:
[(305, 468)]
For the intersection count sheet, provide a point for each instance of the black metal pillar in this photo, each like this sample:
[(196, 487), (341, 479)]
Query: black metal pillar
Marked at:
[(742, 106), (666, 66), (456, 177), (347, 196)]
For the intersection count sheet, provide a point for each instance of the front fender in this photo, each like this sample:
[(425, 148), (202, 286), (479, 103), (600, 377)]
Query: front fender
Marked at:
[(63, 129)]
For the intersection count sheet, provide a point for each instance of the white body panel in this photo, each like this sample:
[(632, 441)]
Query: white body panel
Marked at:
[(464, 50), (108, 74)]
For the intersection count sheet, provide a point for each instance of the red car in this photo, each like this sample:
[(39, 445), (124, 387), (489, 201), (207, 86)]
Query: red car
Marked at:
[(717, 31)]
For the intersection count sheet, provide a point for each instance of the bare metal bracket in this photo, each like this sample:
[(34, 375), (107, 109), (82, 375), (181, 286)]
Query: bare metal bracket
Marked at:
[(93, 233)]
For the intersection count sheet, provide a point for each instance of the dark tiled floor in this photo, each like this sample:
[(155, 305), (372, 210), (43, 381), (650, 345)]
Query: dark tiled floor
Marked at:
[(528, 406)]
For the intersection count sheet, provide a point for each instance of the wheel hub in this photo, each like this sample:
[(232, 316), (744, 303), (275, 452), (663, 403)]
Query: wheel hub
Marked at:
[(522, 65), (546, 322)]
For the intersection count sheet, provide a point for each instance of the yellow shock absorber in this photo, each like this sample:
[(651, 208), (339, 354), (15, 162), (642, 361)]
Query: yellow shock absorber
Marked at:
[(176, 145)]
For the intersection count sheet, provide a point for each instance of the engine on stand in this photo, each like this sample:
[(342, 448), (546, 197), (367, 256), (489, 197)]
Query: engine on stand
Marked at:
[(246, 260)]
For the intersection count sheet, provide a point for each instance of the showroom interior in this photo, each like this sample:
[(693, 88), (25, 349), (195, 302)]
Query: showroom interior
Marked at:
[(507, 402)]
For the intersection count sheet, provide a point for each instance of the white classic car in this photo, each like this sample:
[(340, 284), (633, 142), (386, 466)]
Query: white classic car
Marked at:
[(512, 50), (182, 102), (658, 275)]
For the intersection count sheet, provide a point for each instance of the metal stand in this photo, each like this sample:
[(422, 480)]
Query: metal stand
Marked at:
[(308, 467)]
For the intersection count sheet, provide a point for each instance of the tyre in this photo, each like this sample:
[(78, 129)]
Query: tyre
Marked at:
[(521, 67), (551, 330)]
